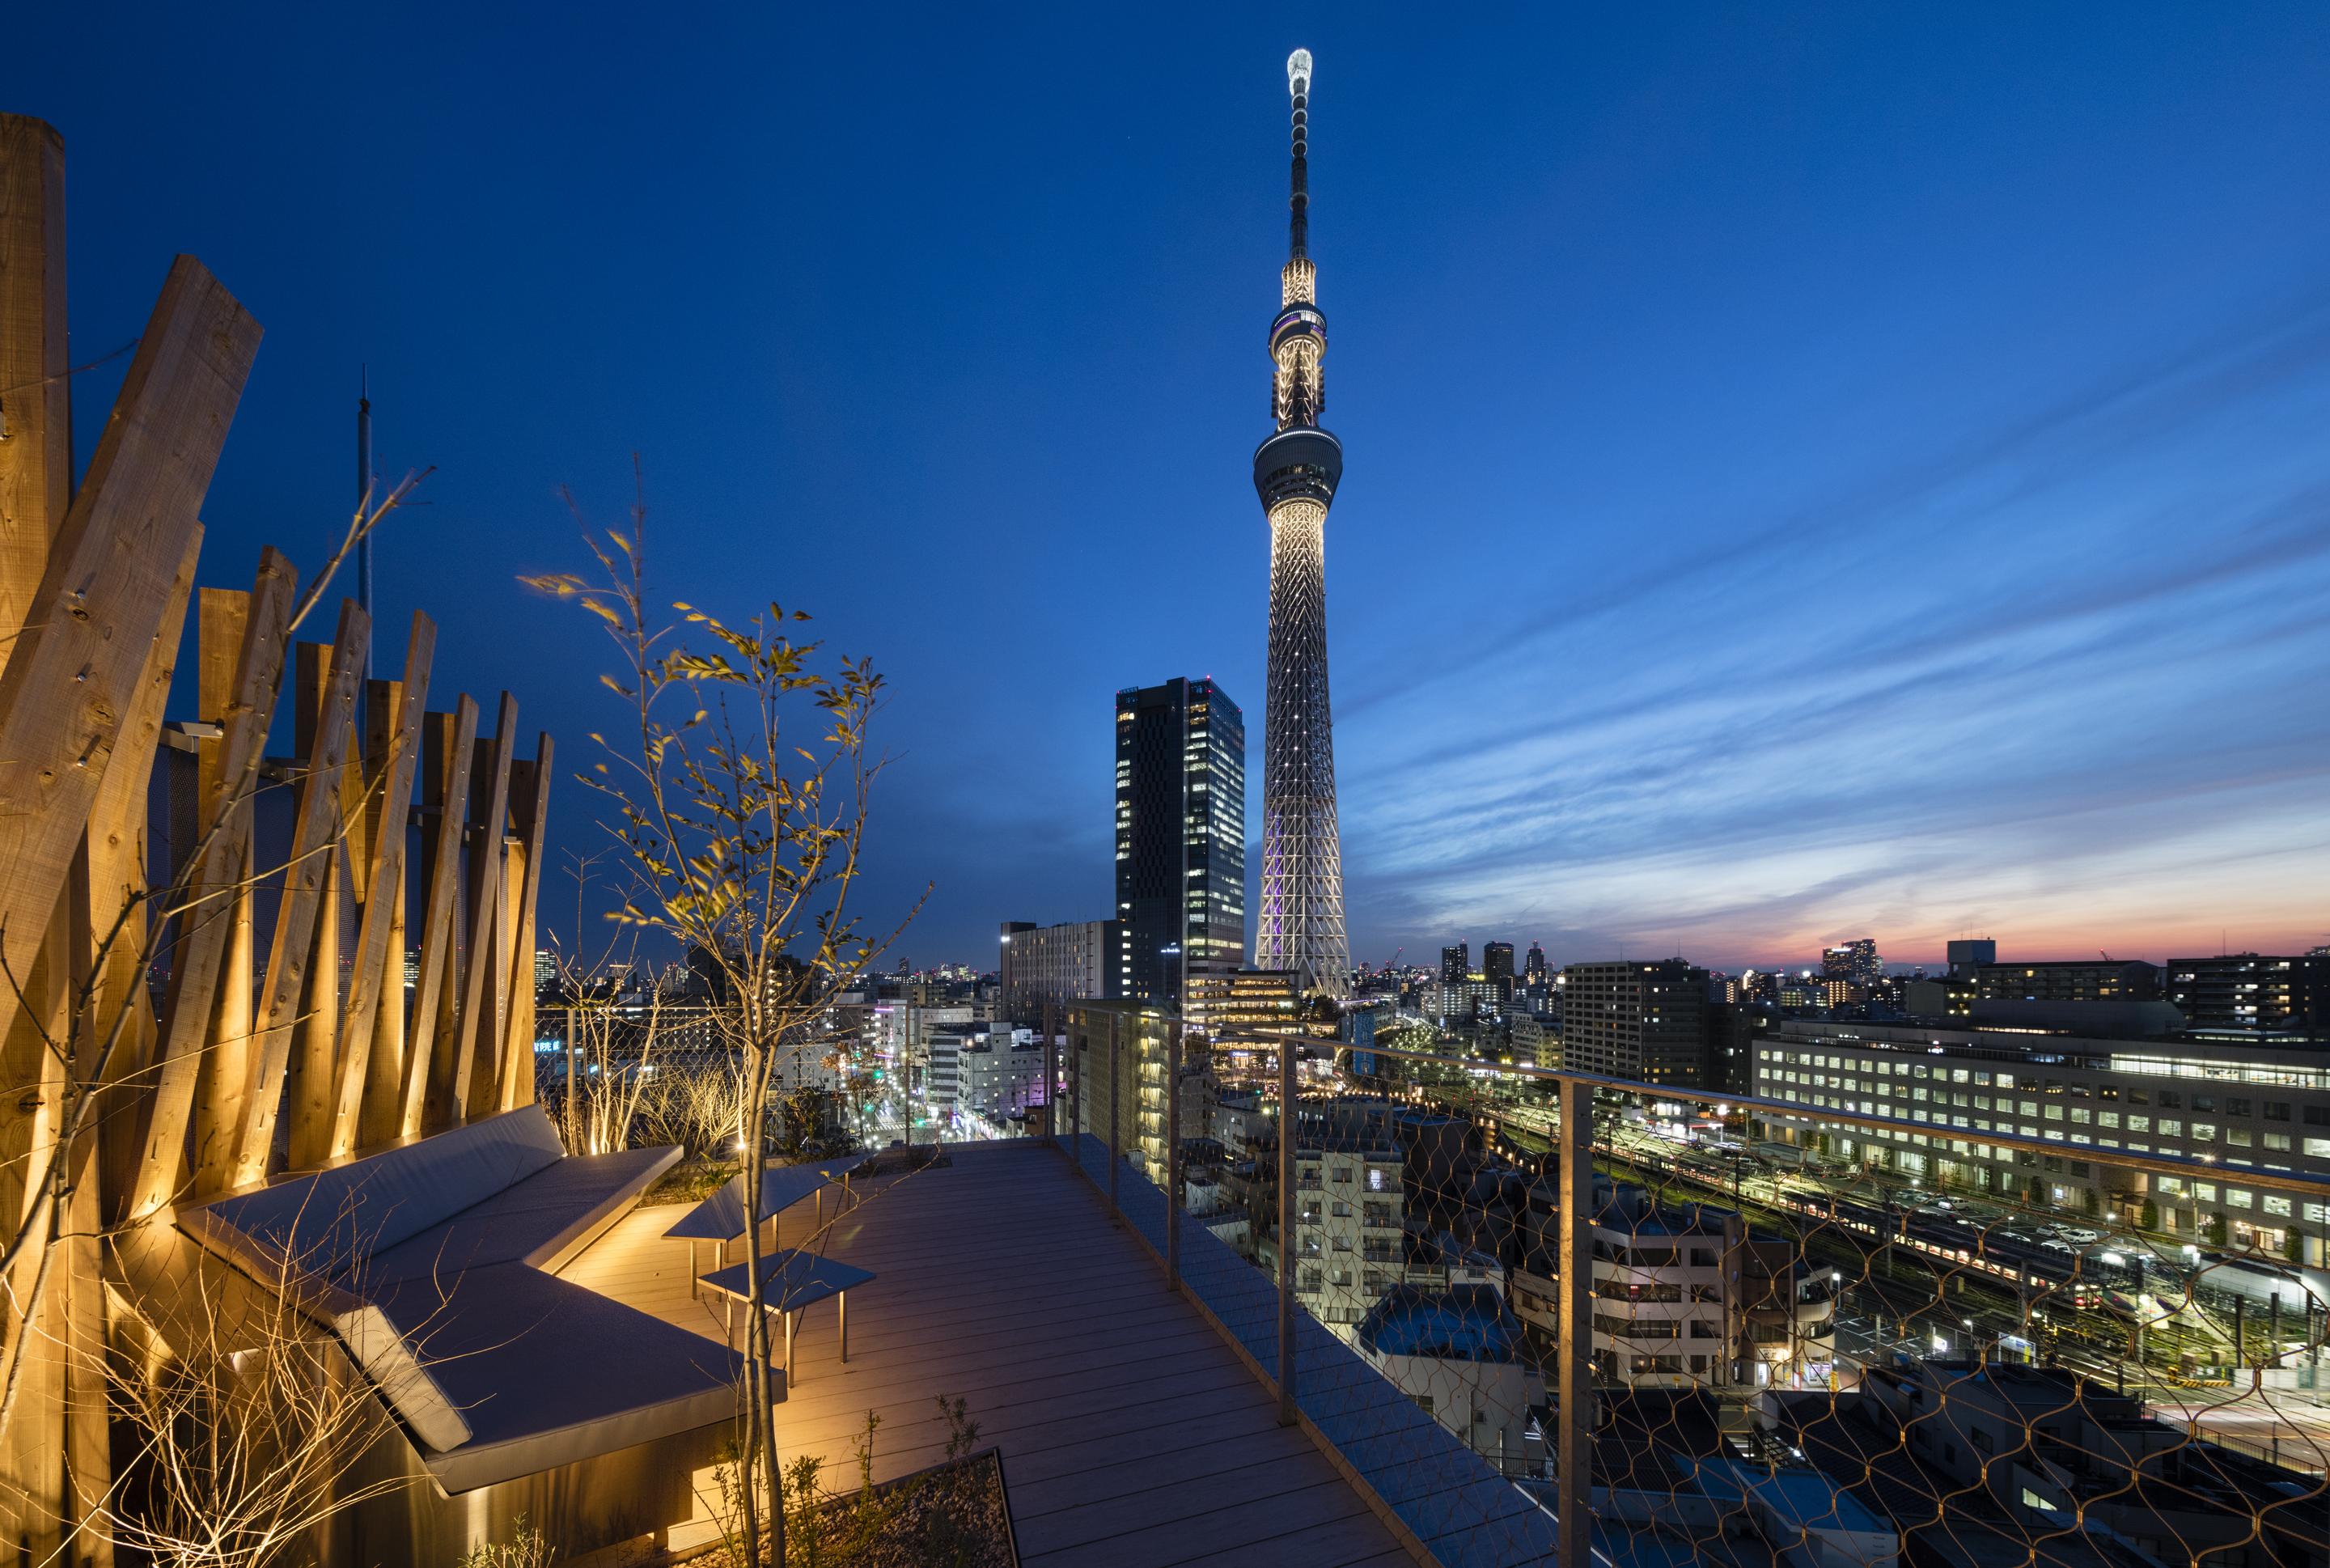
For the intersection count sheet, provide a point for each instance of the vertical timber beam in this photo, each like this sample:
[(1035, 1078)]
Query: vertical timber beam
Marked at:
[(381, 1111), (384, 881), (295, 995), (1574, 1245), (474, 1024), (529, 822), (449, 740), (116, 932), (36, 494), (244, 638), (109, 930), (35, 393), (206, 1022)]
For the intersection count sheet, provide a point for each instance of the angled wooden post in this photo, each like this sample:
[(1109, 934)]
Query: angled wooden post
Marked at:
[(110, 930), (35, 480), (474, 1024), (115, 863), (206, 1059), (32, 1449), (529, 820), (369, 978), (71, 673), (36, 494), (429, 1065), (380, 1105), (287, 995)]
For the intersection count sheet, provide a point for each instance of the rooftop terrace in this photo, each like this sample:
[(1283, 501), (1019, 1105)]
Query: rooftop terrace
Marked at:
[(1132, 1433)]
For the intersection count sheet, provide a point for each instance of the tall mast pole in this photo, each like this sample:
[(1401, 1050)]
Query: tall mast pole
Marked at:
[(363, 500), (1296, 472)]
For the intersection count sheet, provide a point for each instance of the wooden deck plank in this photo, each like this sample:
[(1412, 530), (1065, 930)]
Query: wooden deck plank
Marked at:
[(1199, 1465), (1161, 1506), (1125, 1423), (1215, 1526)]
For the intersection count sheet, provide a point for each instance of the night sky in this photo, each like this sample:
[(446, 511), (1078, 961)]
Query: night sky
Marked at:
[(1812, 471)]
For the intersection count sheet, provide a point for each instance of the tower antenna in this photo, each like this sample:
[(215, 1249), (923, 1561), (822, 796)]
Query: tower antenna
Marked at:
[(1296, 472), (364, 500), (1298, 91)]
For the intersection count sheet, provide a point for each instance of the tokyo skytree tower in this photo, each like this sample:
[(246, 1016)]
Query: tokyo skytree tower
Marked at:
[(1296, 472)]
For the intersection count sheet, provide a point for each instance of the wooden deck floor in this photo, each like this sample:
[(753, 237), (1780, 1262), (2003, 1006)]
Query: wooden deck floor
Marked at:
[(1131, 1435)]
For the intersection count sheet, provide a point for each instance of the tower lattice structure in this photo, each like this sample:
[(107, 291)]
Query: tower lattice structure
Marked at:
[(1296, 472)]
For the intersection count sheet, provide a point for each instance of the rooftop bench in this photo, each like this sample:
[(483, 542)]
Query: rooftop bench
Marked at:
[(431, 1263)]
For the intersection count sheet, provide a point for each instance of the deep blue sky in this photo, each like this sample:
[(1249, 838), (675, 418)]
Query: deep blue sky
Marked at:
[(1814, 471)]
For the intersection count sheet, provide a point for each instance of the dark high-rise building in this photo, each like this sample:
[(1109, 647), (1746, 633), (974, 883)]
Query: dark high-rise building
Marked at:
[(1497, 965), (1644, 1021), (1732, 1031), (1456, 962), (1968, 954), (2244, 991), (1180, 835), (1533, 968)]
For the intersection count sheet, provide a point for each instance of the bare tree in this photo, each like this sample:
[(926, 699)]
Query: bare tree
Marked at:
[(698, 1105), (739, 789), (246, 1420)]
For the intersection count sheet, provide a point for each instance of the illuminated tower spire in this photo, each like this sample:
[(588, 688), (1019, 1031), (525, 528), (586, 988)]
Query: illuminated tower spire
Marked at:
[(1295, 473)]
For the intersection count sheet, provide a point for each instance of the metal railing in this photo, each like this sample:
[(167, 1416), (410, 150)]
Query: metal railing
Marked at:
[(1780, 1323)]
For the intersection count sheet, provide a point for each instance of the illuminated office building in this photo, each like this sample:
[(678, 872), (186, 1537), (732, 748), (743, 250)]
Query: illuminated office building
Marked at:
[(1181, 836)]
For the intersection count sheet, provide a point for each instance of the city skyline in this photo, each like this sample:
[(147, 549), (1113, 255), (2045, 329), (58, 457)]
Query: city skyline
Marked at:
[(1825, 477), (1828, 629)]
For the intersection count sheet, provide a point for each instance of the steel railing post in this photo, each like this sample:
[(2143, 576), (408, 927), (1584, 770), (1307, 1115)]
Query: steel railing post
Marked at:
[(1575, 1248), (1076, 1101), (1051, 1077), (1173, 1154), (1286, 1241), (1116, 1099)]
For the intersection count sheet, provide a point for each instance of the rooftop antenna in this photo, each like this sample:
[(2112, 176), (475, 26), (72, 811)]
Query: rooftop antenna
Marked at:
[(363, 500), (1298, 89)]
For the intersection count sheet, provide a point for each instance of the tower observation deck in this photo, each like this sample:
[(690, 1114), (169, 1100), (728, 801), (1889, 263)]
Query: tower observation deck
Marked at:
[(1296, 472)]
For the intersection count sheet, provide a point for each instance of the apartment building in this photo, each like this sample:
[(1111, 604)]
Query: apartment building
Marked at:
[(1685, 1295), (1644, 1021), (989, 1069), (1351, 1248), (1117, 1053)]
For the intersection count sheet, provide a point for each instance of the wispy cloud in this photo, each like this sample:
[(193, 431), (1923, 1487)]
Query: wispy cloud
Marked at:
[(2062, 680)]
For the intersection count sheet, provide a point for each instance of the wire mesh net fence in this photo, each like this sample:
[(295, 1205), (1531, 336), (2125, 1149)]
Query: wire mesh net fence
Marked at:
[(1798, 1331)]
